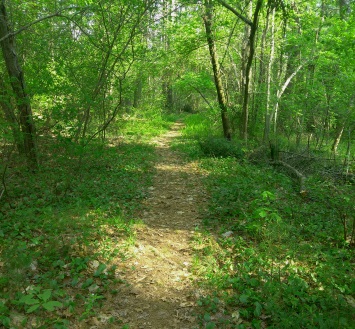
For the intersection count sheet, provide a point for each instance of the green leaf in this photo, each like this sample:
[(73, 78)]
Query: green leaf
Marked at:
[(210, 325), (256, 324), (243, 298), (29, 300), (207, 317), (262, 213), (258, 309), (100, 269), (33, 308), (49, 306), (5, 321), (45, 295), (87, 283)]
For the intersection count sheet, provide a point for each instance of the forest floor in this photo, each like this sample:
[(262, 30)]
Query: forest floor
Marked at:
[(160, 290)]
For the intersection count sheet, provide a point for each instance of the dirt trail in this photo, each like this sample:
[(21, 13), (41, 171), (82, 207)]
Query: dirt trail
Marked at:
[(161, 293)]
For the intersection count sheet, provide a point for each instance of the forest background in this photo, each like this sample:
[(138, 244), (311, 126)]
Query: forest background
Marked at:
[(267, 82)]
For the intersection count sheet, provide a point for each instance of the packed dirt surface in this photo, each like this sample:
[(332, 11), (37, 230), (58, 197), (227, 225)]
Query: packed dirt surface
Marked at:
[(161, 292)]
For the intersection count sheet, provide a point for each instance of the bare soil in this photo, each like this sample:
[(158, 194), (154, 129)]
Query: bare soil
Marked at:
[(161, 291)]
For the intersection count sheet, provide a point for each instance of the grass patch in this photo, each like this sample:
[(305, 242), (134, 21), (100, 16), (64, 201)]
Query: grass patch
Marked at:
[(143, 125)]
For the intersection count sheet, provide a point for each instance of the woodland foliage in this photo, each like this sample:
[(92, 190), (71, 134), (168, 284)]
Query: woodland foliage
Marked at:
[(269, 81)]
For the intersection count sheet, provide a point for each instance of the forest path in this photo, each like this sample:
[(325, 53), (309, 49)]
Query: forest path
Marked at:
[(161, 292)]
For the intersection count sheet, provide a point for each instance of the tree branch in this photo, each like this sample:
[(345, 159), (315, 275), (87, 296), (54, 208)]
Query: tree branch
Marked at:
[(235, 12), (301, 178), (56, 14), (284, 86)]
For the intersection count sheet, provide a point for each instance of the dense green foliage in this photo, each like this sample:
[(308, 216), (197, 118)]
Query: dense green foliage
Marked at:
[(61, 228), (84, 84), (284, 263)]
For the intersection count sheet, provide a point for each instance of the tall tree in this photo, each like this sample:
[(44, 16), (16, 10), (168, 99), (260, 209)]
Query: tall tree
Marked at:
[(222, 101), (253, 24), (17, 80)]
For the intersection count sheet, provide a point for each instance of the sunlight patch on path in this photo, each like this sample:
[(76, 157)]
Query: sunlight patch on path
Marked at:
[(161, 291)]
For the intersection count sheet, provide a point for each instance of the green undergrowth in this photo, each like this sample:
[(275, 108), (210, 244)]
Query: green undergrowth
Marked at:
[(270, 256), (201, 137), (143, 125), (198, 127), (66, 229)]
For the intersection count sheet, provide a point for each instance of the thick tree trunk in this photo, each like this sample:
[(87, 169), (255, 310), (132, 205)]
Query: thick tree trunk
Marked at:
[(207, 18), (18, 86)]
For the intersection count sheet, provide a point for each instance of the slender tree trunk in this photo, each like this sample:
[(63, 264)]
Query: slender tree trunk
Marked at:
[(18, 86), (167, 75), (222, 101), (137, 96), (253, 30), (326, 122), (253, 27), (269, 73), (347, 156), (274, 114), (107, 68), (260, 82), (339, 133)]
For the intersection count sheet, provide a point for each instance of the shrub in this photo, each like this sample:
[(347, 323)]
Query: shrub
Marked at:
[(220, 147)]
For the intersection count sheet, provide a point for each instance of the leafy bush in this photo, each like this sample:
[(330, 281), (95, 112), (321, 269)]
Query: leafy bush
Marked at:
[(220, 147)]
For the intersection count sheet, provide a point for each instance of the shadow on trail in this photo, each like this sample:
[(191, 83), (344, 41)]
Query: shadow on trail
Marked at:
[(161, 283)]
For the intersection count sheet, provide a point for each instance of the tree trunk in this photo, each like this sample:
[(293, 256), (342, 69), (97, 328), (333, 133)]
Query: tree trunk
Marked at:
[(269, 73), (207, 18), (137, 96), (260, 82), (339, 133), (10, 117), (167, 73), (251, 45), (245, 110), (18, 86)]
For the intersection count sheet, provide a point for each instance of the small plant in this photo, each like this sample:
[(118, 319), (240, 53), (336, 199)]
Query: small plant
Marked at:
[(37, 298), (90, 303), (4, 315)]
